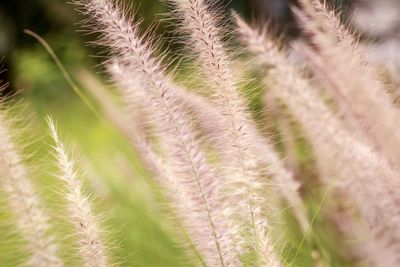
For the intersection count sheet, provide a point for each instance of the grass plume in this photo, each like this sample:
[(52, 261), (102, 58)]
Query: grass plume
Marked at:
[(345, 162), (91, 245), (32, 219), (196, 181)]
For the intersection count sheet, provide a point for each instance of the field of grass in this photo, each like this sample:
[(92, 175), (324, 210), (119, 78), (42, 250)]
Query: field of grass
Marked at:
[(260, 160)]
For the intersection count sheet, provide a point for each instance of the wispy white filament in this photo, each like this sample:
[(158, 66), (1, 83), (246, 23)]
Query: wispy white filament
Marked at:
[(91, 246)]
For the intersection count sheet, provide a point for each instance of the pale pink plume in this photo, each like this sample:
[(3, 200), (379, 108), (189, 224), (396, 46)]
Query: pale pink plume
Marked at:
[(363, 100), (351, 166), (195, 185), (32, 219), (81, 215), (250, 156)]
